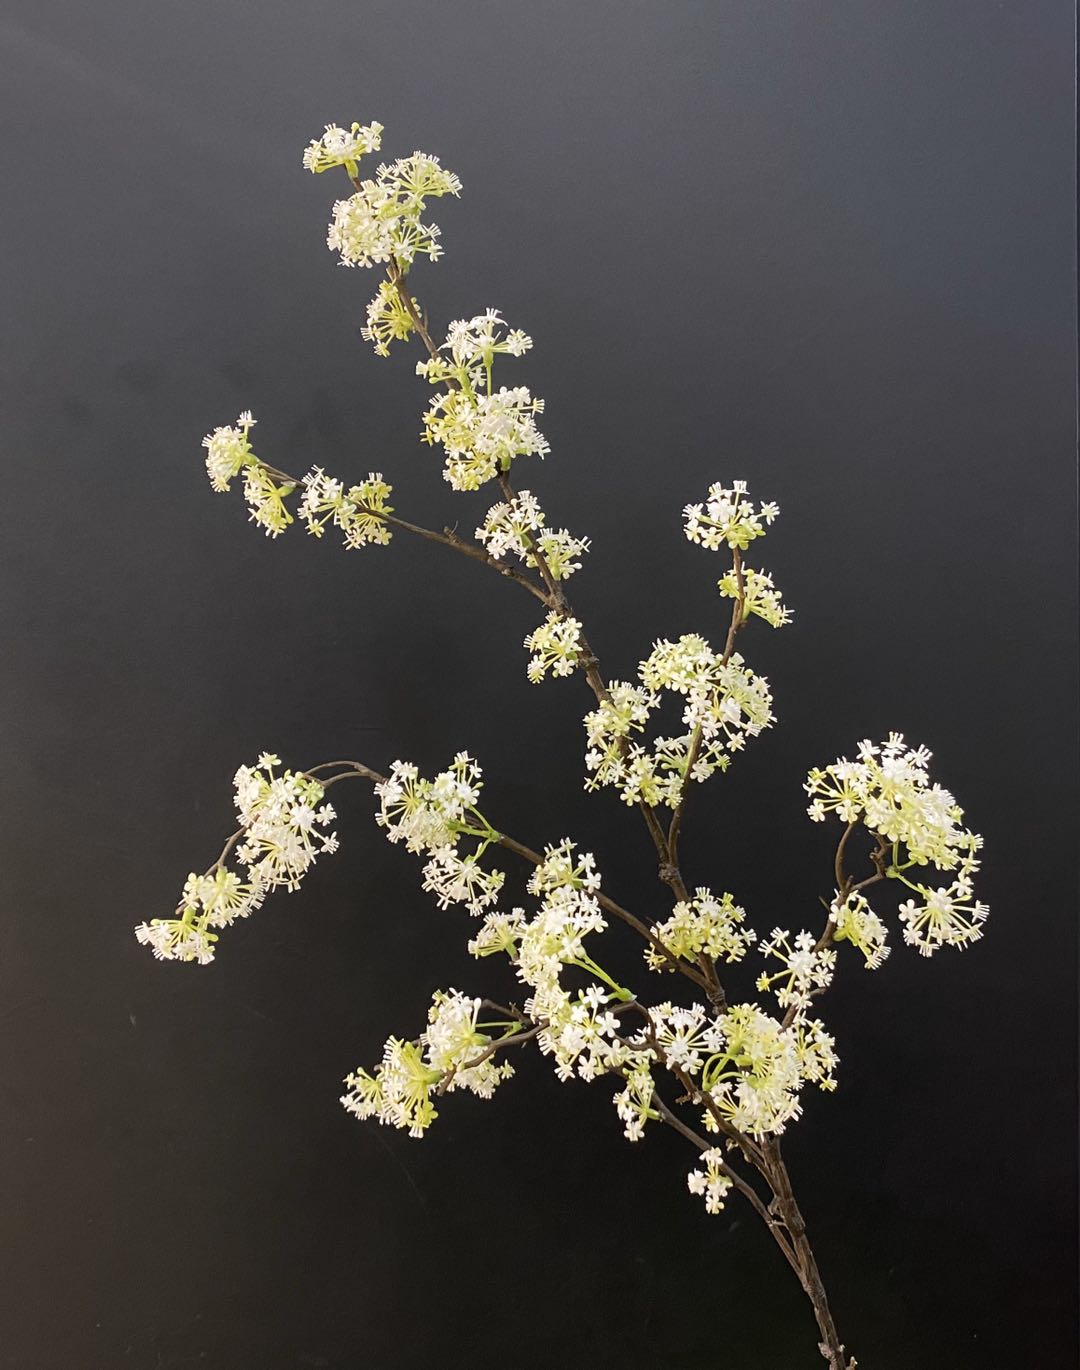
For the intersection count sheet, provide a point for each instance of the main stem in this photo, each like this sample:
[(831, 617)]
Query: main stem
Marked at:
[(801, 1255)]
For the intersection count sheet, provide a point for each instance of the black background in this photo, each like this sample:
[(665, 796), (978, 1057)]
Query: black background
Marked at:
[(827, 247)]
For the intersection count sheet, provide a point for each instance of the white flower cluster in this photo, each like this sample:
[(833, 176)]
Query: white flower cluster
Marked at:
[(499, 933), (446, 1057), (711, 1182), (759, 1067), (518, 527), (266, 500), (427, 814), (727, 517), (888, 790), (745, 1066), (481, 430), (633, 1104), (568, 913), (280, 817), (555, 647), (472, 345), (228, 451), (433, 816), (482, 434), (807, 969), (388, 319), (381, 222), (725, 703), (949, 916), (213, 900), (358, 512), (704, 925), (577, 1029), (854, 921), (457, 879), (228, 454), (685, 1037), (758, 594), (342, 147)]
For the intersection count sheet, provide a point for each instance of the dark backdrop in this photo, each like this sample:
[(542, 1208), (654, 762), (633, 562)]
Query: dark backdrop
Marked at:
[(824, 246)]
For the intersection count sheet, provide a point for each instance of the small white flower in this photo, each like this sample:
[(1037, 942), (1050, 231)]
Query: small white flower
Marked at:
[(704, 925), (711, 1182), (342, 147), (727, 517), (228, 452), (555, 647), (856, 922)]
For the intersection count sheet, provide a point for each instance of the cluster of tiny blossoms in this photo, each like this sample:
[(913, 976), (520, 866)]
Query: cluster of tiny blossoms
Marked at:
[(279, 839), (228, 451), (450, 1054), (342, 147), (888, 790), (519, 527), (712, 1183), (728, 518), (854, 921), (807, 969), (382, 222), (481, 430), (758, 594), (703, 925), (743, 1066), (579, 1029), (360, 511), (555, 647), (437, 818), (724, 704)]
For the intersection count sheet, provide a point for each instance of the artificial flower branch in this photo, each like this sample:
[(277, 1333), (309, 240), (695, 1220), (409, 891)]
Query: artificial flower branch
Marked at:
[(742, 1064)]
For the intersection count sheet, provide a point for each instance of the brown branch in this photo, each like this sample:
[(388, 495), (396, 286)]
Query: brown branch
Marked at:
[(844, 887), (803, 1262), (357, 769), (512, 1039), (447, 538), (744, 1188), (397, 279)]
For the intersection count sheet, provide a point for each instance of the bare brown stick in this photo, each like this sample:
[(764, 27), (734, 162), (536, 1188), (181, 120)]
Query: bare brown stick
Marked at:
[(804, 1263)]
